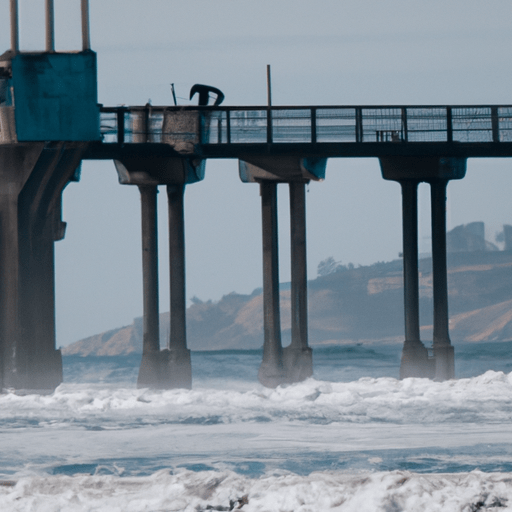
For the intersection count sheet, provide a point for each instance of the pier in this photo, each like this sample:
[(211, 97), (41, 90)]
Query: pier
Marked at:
[(50, 121)]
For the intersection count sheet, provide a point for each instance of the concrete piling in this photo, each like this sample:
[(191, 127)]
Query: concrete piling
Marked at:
[(414, 361), (443, 349), (177, 363), (293, 363), (298, 356), (32, 178), (437, 171), (271, 372), (149, 372)]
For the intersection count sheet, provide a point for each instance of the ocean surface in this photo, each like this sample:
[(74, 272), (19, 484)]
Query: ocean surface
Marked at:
[(353, 438)]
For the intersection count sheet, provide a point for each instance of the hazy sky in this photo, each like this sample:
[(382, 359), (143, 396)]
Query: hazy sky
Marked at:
[(324, 52)]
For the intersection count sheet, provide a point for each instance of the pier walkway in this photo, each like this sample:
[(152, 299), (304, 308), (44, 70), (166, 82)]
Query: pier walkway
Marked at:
[(322, 131)]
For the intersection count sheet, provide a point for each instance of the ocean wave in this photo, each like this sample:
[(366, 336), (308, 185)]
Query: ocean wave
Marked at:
[(486, 398), (190, 491)]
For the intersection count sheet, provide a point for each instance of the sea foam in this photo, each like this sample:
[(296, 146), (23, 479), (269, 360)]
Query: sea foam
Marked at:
[(189, 491)]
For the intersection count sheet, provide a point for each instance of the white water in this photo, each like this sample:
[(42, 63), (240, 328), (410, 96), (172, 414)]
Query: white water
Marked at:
[(190, 491), (368, 445)]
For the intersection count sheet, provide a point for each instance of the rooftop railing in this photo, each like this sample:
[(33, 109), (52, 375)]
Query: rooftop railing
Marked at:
[(184, 126)]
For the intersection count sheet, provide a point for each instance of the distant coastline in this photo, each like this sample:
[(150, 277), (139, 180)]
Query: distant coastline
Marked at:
[(350, 305)]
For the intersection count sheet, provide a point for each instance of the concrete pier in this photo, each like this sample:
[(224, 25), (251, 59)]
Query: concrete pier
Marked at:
[(43, 136), (271, 372), (298, 356), (415, 362), (177, 362), (443, 349), (293, 363), (149, 372), (437, 171), (32, 178), (171, 367), (55, 122)]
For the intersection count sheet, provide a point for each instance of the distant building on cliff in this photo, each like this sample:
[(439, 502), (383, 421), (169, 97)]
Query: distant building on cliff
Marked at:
[(470, 238)]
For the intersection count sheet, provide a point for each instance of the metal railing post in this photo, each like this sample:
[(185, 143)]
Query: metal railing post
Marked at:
[(359, 124), (313, 125), (219, 130), (405, 133), (495, 123), (120, 125), (449, 126), (228, 126), (269, 126)]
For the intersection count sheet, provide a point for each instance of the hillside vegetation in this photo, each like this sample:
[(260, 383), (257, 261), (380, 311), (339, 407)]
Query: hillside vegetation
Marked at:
[(350, 305)]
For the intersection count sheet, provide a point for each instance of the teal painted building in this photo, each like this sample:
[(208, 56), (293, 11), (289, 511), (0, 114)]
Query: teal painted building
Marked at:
[(53, 96)]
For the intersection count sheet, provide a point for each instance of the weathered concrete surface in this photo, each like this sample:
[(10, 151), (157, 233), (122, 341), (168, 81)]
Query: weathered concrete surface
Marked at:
[(56, 95), (409, 171), (32, 178), (295, 363), (271, 372), (165, 369), (171, 367), (282, 169), (298, 357), (422, 168)]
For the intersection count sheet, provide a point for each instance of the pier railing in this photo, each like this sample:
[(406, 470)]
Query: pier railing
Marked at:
[(315, 125)]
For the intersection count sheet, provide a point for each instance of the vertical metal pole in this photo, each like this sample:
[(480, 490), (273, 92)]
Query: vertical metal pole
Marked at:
[(359, 124), (269, 87), (50, 26), (414, 361), (271, 370), (495, 124), (15, 37), (86, 37), (173, 92), (151, 318), (313, 126), (405, 131), (120, 114), (449, 125), (299, 298), (178, 340), (443, 351), (269, 105)]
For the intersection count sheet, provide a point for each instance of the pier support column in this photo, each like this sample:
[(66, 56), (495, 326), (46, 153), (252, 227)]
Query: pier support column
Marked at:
[(149, 372), (178, 364), (415, 362), (443, 349), (271, 372), (295, 362), (298, 358), (171, 367), (32, 178), (409, 171)]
